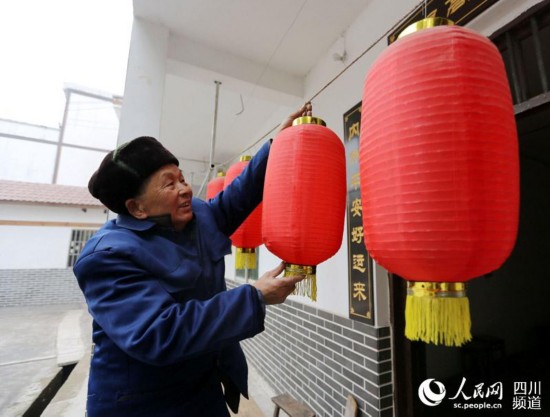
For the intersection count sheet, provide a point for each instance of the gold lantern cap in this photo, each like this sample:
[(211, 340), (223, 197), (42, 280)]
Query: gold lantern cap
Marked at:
[(429, 22), (220, 174), (308, 120), (436, 289), (245, 158)]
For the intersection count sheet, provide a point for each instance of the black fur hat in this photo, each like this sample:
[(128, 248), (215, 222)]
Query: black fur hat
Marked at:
[(123, 171)]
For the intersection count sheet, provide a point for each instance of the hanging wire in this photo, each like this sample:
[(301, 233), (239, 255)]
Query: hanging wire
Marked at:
[(279, 45), (361, 55), (261, 75)]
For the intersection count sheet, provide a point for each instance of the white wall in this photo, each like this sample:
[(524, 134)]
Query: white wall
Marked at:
[(22, 160), (38, 212), (145, 78), (37, 247), (144, 89), (34, 247)]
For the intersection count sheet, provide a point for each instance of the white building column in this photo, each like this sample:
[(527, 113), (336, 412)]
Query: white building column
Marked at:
[(143, 94)]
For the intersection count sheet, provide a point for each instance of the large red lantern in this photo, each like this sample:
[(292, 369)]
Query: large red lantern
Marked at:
[(305, 198), (249, 234), (215, 185), (439, 171)]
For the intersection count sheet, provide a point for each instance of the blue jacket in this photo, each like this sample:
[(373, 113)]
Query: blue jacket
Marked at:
[(165, 328)]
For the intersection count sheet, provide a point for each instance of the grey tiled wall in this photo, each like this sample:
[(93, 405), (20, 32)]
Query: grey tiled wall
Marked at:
[(35, 287), (320, 358)]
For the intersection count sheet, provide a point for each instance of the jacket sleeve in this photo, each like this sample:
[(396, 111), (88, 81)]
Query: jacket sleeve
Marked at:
[(232, 206), (144, 321)]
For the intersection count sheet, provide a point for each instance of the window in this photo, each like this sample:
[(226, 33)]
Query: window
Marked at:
[(79, 237), (525, 48)]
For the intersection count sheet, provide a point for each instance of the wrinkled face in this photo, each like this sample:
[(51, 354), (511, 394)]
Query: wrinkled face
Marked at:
[(165, 193)]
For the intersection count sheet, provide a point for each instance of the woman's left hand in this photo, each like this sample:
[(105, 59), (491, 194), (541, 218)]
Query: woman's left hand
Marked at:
[(305, 110)]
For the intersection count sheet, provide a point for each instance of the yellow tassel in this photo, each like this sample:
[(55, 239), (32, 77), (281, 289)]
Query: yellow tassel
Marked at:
[(308, 286), (245, 258), (437, 312)]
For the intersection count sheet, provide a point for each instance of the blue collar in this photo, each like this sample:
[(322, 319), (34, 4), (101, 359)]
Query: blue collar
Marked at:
[(129, 222)]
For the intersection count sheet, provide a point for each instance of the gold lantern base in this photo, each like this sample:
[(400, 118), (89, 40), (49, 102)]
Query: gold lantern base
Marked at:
[(245, 258), (438, 312), (308, 286)]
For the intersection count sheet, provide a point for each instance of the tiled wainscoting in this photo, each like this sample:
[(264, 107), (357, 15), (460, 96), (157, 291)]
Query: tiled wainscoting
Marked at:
[(319, 358), (36, 287)]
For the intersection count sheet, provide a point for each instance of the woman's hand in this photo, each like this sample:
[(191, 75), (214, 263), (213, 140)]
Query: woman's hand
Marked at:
[(305, 110), (276, 289)]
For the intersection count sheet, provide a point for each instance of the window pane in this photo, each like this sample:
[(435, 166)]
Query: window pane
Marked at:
[(79, 237), (27, 130), (26, 161), (544, 37), (76, 166), (91, 122), (530, 66)]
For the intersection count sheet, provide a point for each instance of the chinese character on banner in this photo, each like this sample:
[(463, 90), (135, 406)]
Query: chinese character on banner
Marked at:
[(354, 130), (359, 291), (354, 181), (357, 234), (453, 6), (356, 209), (360, 263)]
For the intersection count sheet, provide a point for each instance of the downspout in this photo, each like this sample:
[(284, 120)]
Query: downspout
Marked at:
[(213, 142)]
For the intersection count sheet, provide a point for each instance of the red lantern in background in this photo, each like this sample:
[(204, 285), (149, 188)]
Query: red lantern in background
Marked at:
[(439, 171), (215, 185), (249, 234), (305, 198)]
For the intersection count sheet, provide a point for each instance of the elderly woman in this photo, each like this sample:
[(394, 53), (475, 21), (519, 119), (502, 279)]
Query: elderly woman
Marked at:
[(166, 331)]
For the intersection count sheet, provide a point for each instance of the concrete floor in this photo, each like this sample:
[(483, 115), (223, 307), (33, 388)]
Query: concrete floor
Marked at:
[(28, 354), (37, 341), (248, 408)]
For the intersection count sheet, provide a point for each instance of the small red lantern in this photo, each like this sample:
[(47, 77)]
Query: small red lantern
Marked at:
[(305, 198), (215, 185), (439, 171), (249, 234)]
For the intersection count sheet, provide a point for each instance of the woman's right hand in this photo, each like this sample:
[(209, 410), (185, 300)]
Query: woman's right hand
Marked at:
[(276, 289)]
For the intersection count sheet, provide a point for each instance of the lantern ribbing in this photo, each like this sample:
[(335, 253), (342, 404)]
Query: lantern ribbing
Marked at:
[(304, 199), (439, 169), (215, 185)]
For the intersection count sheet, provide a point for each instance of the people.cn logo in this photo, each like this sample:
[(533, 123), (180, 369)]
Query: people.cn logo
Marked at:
[(429, 397)]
